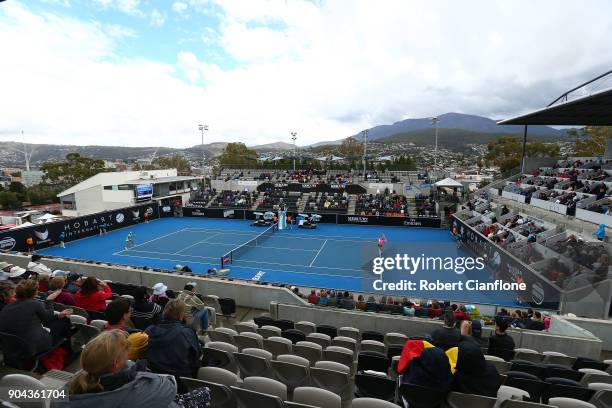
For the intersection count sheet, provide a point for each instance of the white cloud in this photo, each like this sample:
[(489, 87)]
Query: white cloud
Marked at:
[(325, 70), (119, 31), (179, 7), (63, 3), (130, 7), (156, 18)]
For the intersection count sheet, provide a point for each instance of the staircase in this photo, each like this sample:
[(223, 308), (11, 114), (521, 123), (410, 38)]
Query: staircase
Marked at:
[(304, 199), (352, 202), (211, 200)]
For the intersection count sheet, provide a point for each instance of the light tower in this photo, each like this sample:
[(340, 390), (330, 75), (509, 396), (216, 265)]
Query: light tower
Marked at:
[(293, 137), (365, 144), (203, 128), (434, 121)]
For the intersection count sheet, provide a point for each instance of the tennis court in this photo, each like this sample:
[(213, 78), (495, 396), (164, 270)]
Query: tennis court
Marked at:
[(331, 256)]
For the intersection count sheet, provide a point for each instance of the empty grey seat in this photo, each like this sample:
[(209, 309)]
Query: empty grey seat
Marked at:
[(266, 386), (600, 386), (460, 400), (84, 333), (77, 319), (587, 371), (588, 378), (306, 327), (222, 350), (346, 342), (334, 377), (253, 362), (246, 327), (528, 355), (217, 375), (277, 345), (321, 339), (311, 351), (269, 331), (552, 357), (522, 404), (250, 399), (372, 403), (340, 355), (222, 334), (248, 340), (316, 397), (373, 345), (350, 332), (100, 324), (511, 392), (393, 339), (291, 372), (501, 366), (561, 402)]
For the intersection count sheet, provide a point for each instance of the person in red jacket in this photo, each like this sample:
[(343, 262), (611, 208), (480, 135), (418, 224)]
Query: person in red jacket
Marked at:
[(93, 295)]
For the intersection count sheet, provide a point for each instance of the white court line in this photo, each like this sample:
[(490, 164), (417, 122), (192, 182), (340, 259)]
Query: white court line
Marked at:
[(255, 268), (192, 245), (243, 260), (151, 240), (317, 255), (292, 236)]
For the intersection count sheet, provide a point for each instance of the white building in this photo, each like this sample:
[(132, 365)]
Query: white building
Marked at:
[(108, 191)]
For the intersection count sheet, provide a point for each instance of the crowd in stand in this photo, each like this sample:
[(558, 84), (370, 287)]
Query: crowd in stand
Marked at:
[(235, 199), (385, 204)]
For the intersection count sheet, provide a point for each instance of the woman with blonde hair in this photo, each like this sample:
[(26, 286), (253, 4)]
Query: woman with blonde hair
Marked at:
[(109, 379)]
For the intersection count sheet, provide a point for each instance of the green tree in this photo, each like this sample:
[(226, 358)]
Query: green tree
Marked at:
[(17, 187), (239, 154), (9, 200), (177, 162), (505, 152), (43, 194), (73, 170), (350, 148), (591, 140)]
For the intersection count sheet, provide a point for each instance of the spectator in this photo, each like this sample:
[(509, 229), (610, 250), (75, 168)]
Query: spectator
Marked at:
[(27, 318), (58, 293), (347, 301), (10, 271), (7, 293), (73, 283), (195, 309), (500, 343), (143, 307), (535, 322), (108, 380), (173, 347), (159, 295), (313, 298), (475, 375), (323, 298), (38, 267), (447, 336), (361, 304), (429, 369), (93, 295), (118, 317), (600, 234)]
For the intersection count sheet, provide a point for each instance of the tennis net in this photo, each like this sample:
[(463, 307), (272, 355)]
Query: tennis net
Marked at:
[(237, 252)]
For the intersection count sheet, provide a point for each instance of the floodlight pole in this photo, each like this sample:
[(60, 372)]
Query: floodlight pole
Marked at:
[(523, 150), (293, 137), (434, 121), (365, 146), (202, 129)]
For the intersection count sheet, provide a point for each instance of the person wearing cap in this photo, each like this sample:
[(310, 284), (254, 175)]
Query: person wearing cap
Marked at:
[(28, 319), (10, 271), (159, 295), (38, 267), (7, 293), (195, 308)]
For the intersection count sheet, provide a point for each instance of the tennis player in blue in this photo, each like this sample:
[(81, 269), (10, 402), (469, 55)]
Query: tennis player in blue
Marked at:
[(129, 240)]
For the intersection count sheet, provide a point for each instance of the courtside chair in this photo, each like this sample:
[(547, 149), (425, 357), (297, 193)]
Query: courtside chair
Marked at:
[(252, 399), (248, 340), (316, 397), (221, 396), (306, 327), (351, 332), (266, 386), (269, 331), (293, 371), (460, 400), (308, 350), (373, 345), (254, 362), (324, 340), (277, 345), (372, 403)]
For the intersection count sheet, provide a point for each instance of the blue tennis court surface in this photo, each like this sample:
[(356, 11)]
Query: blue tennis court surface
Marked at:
[(331, 256)]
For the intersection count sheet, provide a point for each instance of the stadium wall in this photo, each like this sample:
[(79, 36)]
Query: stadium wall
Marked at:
[(245, 293), (575, 341)]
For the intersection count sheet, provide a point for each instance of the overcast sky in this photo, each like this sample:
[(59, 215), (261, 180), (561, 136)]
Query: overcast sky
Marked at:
[(144, 72)]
